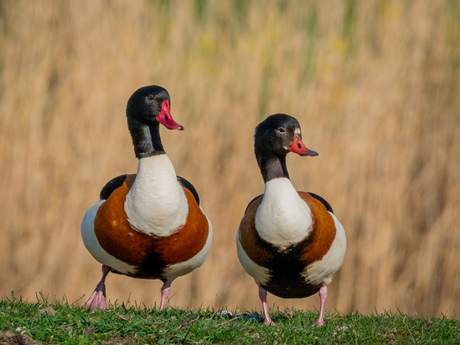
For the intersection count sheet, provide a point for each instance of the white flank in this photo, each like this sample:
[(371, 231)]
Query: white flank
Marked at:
[(183, 268), (156, 204), (260, 274), (282, 218), (93, 246), (322, 271)]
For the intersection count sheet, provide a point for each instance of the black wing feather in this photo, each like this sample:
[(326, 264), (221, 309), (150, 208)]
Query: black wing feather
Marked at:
[(189, 186), (110, 186), (325, 203), (257, 197)]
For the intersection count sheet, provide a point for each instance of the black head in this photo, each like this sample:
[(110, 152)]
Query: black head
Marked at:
[(147, 108), (151, 104), (278, 135)]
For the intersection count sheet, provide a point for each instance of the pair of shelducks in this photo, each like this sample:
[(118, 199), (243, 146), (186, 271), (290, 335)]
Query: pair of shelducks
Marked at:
[(150, 225)]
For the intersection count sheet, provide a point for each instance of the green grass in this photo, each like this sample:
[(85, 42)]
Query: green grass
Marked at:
[(62, 323)]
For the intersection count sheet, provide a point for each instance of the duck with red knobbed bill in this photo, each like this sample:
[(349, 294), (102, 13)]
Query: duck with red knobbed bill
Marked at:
[(147, 225), (290, 242)]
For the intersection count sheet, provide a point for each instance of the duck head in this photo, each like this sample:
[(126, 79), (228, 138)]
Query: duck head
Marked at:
[(152, 103), (274, 138), (278, 135), (146, 109)]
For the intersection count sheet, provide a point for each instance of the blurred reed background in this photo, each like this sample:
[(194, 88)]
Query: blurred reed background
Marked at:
[(374, 84)]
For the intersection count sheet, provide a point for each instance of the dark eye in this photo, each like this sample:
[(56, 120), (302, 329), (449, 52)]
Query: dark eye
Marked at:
[(281, 129), (150, 97)]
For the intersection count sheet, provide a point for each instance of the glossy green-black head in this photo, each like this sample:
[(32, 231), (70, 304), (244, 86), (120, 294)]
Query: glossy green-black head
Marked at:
[(151, 104), (278, 135), (146, 109)]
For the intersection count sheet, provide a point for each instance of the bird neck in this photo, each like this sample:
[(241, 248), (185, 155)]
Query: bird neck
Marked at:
[(272, 167), (146, 138)]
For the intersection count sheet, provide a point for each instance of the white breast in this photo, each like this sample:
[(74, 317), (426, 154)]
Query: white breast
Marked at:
[(282, 218), (156, 204)]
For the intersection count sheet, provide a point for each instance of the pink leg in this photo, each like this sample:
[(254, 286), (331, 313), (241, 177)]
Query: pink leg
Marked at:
[(164, 294), (263, 298), (322, 298), (98, 300)]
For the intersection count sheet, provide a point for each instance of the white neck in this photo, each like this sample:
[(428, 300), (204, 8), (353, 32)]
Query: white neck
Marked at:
[(156, 203), (282, 218)]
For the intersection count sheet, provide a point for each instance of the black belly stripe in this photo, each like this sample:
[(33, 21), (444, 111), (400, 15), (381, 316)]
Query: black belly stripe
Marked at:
[(295, 289), (286, 269), (152, 267)]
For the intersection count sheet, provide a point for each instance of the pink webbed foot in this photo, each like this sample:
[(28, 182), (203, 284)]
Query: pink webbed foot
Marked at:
[(322, 298), (164, 294), (98, 299), (263, 299)]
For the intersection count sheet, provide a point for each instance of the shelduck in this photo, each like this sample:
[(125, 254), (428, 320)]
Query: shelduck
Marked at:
[(290, 242), (147, 225)]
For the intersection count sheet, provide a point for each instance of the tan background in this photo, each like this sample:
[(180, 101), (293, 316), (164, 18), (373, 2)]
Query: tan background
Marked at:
[(374, 84)]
